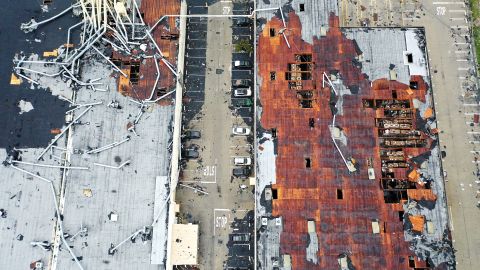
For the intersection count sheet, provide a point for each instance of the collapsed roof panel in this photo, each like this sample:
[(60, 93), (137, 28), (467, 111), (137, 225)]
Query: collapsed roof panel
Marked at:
[(345, 146)]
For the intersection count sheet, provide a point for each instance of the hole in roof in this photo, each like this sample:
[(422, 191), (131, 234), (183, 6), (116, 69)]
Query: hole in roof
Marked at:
[(339, 194)]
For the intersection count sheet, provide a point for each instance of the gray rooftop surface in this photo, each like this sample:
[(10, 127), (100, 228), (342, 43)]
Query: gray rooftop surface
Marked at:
[(313, 18), (129, 191), (381, 48)]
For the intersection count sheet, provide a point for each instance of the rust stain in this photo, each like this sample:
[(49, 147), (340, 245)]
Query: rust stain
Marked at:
[(379, 121)]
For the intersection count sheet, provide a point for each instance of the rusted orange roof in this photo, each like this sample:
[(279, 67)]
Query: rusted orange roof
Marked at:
[(428, 113), (421, 194), (418, 222), (311, 193), (413, 175)]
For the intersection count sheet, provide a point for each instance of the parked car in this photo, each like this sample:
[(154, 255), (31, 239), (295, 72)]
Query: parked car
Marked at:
[(242, 102), (242, 161), (243, 131), (240, 237), (241, 83), (243, 21), (192, 134), (242, 64), (192, 147), (242, 92), (190, 154), (241, 172)]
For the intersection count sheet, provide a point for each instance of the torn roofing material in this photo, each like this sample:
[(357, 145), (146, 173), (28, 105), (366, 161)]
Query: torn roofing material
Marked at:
[(345, 148)]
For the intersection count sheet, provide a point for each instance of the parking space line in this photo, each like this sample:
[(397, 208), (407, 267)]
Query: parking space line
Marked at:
[(462, 60), (457, 10), (198, 182), (198, 75), (449, 3)]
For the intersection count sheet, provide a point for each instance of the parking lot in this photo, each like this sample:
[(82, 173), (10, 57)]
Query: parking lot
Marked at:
[(209, 194)]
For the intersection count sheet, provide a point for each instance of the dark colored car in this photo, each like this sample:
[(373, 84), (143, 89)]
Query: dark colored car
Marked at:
[(241, 83), (192, 134), (243, 21), (242, 102), (190, 154), (240, 237), (241, 172)]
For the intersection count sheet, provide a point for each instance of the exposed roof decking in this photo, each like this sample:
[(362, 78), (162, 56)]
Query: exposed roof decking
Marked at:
[(343, 225)]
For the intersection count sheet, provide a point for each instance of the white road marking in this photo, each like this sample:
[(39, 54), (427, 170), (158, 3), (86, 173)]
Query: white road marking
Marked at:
[(459, 27), (449, 3)]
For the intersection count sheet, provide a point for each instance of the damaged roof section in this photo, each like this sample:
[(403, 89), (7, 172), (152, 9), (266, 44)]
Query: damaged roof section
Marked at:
[(314, 14), (153, 76), (357, 162), (94, 196)]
